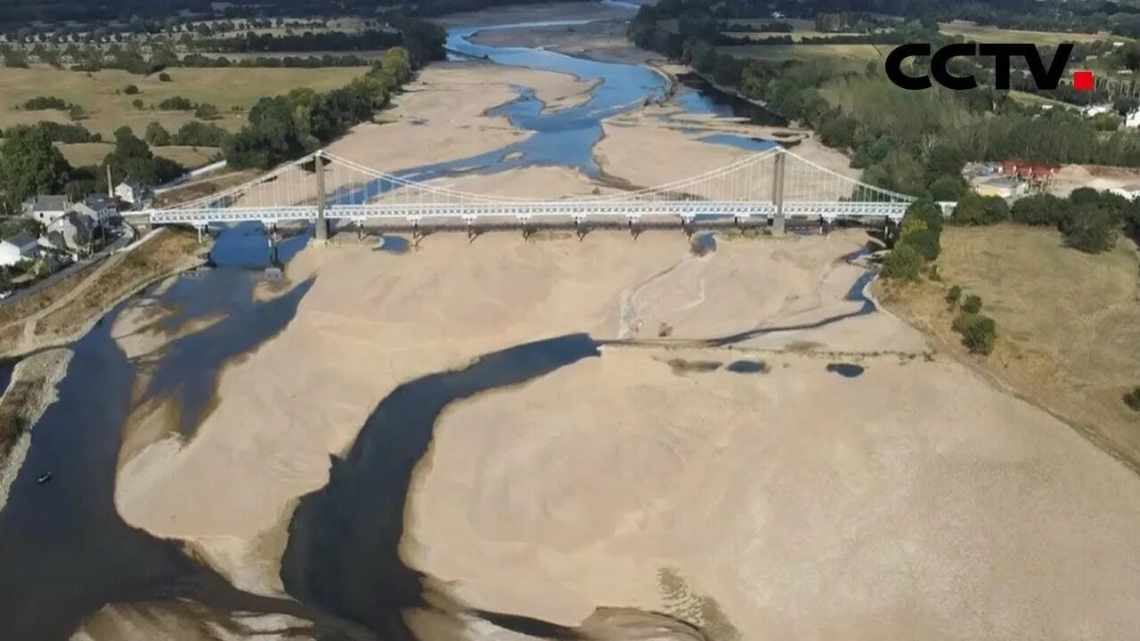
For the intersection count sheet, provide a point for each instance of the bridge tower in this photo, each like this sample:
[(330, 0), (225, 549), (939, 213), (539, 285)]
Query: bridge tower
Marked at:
[(321, 233), (780, 162)]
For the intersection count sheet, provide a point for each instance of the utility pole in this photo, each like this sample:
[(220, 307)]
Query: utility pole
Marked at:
[(778, 193), (110, 185), (322, 231)]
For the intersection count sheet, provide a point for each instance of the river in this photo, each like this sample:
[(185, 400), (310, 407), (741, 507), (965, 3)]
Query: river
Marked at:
[(64, 550)]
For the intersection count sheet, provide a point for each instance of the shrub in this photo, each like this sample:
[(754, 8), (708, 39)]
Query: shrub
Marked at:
[(200, 134), (947, 188), (131, 90), (177, 103), (1132, 399), (157, 135), (926, 242), (40, 103), (978, 332), (1040, 209), (75, 112), (138, 104), (972, 304), (973, 209), (954, 295), (206, 112), (1091, 229), (904, 263), (164, 77)]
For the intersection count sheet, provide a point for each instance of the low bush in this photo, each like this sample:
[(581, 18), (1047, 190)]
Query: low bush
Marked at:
[(903, 263), (972, 304), (1132, 399), (978, 332), (973, 209), (954, 295)]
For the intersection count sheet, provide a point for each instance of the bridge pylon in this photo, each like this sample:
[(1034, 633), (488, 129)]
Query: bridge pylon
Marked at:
[(321, 232), (778, 167)]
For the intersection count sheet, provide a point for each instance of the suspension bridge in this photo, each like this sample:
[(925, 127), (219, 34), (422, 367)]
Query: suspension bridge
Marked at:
[(767, 188)]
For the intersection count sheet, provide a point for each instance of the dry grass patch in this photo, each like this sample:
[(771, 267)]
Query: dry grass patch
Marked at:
[(851, 53), (989, 33), (107, 111), (169, 251), (1068, 323)]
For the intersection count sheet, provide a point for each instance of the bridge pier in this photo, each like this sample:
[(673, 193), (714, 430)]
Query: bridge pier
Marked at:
[(418, 234), (321, 229), (581, 229), (779, 165), (634, 228), (203, 228)]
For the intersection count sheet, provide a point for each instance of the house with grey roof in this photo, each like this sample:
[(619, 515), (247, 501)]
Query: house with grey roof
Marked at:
[(46, 209)]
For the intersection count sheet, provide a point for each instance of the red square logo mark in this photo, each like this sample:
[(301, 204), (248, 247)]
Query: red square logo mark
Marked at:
[(1083, 81)]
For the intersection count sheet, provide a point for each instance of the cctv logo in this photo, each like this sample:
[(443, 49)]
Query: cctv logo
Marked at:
[(1044, 78)]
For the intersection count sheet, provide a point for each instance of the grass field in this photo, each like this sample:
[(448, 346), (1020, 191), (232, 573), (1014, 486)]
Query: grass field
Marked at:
[(983, 33), (92, 153), (224, 88), (859, 53), (1068, 323)]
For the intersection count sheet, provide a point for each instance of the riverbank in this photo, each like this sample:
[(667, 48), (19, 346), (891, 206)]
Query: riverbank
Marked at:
[(66, 310), (30, 391)]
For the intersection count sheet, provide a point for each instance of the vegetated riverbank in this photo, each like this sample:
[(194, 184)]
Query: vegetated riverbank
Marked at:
[(1068, 323), (31, 390), (58, 315), (64, 311)]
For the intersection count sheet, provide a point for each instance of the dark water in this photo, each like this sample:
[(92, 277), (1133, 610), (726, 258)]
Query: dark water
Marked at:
[(703, 243), (393, 244), (747, 367), (342, 554), (846, 370), (64, 550), (6, 368), (699, 96)]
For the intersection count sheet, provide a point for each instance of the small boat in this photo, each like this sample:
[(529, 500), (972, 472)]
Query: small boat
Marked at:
[(43, 478)]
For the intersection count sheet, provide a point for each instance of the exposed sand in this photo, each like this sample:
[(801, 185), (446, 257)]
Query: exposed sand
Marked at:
[(672, 142), (441, 115)]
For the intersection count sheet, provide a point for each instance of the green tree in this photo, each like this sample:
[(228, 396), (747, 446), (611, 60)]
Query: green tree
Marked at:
[(1040, 209), (131, 90), (1091, 229), (947, 188), (206, 112), (903, 263), (29, 165), (978, 332), (157, 135), (954, 295), (972, 304), (973, 209)]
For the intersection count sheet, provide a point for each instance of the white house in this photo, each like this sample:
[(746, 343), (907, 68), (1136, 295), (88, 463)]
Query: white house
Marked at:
[(22, 246), (130, 192), (46, 209)]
